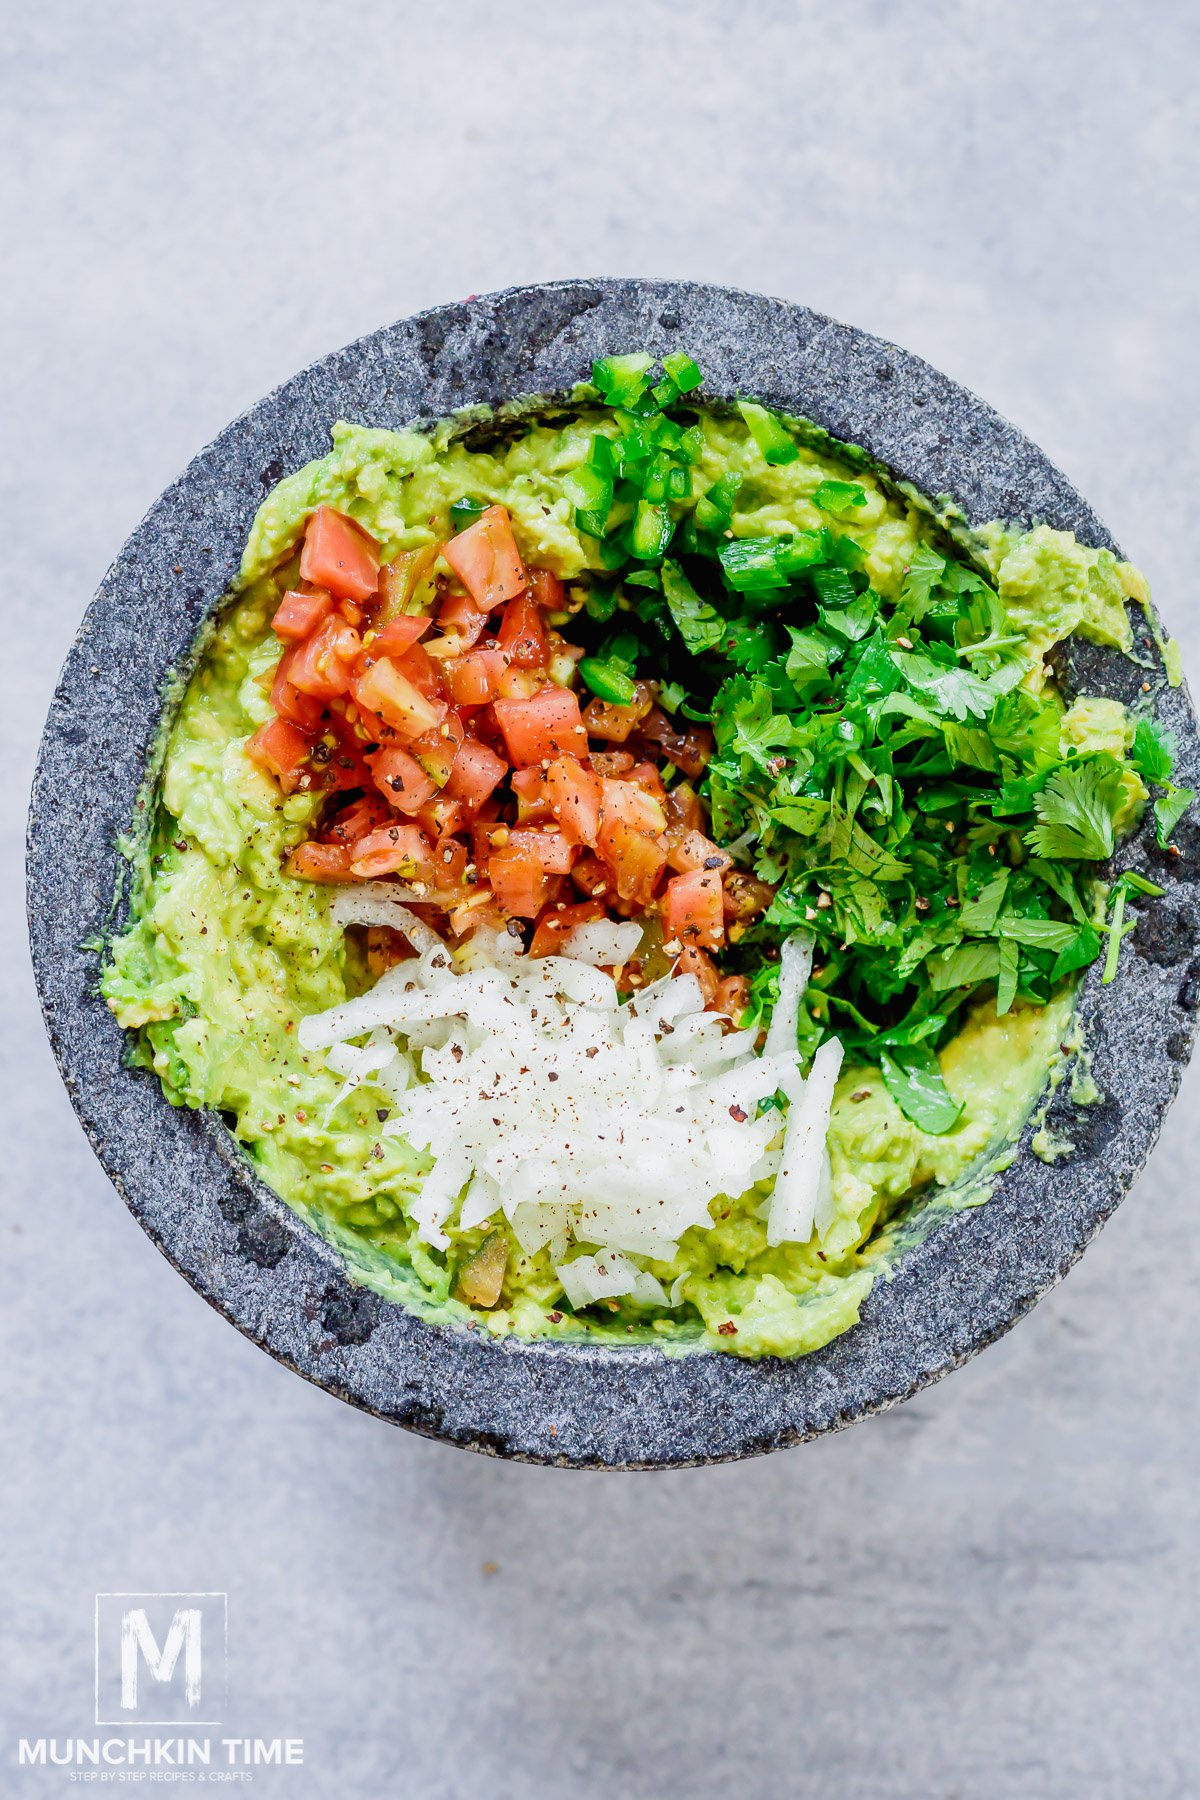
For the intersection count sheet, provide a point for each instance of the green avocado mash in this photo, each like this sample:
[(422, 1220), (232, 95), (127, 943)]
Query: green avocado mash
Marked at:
[(225, 953)]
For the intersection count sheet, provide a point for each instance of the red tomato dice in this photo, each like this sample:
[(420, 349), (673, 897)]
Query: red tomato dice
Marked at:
[(636, 859), (558, 922), (519, 881), (339, 555), (287, 699), (299, 614), (383, 689), (543, 727), (696, 962), (282, 751), (529, 785), (460, 615), (546, 589), (394, 850), (476, 773), (323, 663), (554, 852), (574, 794), (732, 996), (627, 801), (401, 780), (399, 635), (474, 679), (693, 912), (486, 559), (692, 850), (522, 636), (320, 862)]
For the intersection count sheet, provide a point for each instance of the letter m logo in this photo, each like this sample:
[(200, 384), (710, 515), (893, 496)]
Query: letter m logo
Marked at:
[(160, 1658)]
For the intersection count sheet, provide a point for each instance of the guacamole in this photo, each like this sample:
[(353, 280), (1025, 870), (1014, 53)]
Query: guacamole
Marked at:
[(226, 951)]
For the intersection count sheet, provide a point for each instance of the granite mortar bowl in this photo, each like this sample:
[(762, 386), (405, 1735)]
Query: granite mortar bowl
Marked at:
[(181, 1174)]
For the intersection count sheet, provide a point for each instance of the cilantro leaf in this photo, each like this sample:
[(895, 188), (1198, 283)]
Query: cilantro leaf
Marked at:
[(913, 1077), (1169, 808), (1153, 752), (1077, 811), (699, 623), (955, 690)]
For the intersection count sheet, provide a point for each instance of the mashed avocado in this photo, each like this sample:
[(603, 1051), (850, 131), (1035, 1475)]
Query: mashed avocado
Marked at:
[(225, 953)]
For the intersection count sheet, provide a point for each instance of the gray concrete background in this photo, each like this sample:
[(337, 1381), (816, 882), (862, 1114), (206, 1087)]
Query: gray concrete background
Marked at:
[(989, 1592)]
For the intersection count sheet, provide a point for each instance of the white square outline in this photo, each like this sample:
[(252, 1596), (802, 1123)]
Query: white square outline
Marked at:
[(150, 1594)]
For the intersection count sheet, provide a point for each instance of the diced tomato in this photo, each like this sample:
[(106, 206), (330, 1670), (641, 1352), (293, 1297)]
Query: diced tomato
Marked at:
[(354, 821), (612, 762), (417, 666), (574, 795), (543, 727), (282, 751), (383, 689), (476, 773), (682, 807), (399, 580), (522, 636), (519, 881), (298, 614), (625, 800), (520, 684), (555, 852), (474, 679), (692, 850), (401, 780), (440, 816), (320, 862), (398, 635), (558, 922), (647, 777), (698, 963), (591, 876), (394, 850), (324, 662), (297, 708), (529, 786), (450, 859), (460, 615), (546, 589), (603, 720), (692, 910), (339, 555), (635, 858), (436, 750), (732, 996), (486, 559), (689, 750)]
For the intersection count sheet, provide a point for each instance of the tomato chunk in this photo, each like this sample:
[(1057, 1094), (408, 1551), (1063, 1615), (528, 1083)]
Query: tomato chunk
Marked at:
[(543, 727), (519, 881), (692, 850), (321, 862), (287, 699), (384, 690), (627, 801), (591, 876), (635, 858), (282, 751), (698, 963), (529, 786), (298, 614), (401, 780), (476, 773), (546, 589), (366, 814), (394, 850), (558, 922), (616, 723), (323, 663), (460, 615), (399, 635), (486, 559), (732, 996), (575, 794), (554, 852), (522, 636), (339, 555), (689, 750), (474, 679), (693, 912)]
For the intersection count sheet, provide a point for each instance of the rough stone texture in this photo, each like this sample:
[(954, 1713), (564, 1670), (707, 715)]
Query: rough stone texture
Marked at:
[(179, 1173)]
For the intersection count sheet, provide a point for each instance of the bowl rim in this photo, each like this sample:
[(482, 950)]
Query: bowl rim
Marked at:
[(243, 1248)]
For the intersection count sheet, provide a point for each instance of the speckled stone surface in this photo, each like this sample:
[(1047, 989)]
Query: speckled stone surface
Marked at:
[(180, 1173)]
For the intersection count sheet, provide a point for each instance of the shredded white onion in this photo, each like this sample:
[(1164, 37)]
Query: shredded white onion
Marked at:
[(540, 1097)]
